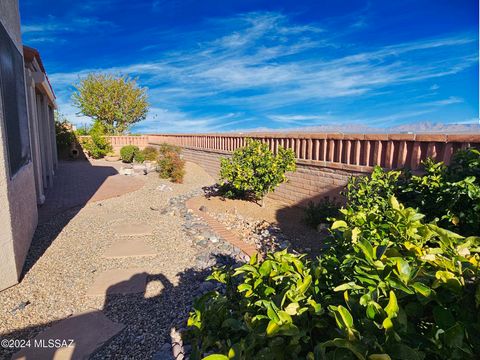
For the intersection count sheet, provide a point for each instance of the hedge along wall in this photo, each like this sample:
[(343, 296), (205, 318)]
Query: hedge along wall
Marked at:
[(324, 161)]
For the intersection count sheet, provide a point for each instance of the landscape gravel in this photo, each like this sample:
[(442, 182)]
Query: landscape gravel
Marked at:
[(66, 254)]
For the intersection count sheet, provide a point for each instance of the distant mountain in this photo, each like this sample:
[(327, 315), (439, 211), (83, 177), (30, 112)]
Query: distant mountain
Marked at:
[(421, 127)]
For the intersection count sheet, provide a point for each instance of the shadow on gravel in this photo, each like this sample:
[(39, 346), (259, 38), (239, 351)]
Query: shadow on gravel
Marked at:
[(147, 321), (75, 183)]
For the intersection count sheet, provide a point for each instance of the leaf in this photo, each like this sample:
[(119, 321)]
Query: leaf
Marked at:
[(422, 289), (292, 308), (215, 357), (443, 317), (272, 328), (343, 317), (348, 286), (454, 336), (404, 270), (265, 268), (379, 357), (392, 307), (339, 224), (355, 347)]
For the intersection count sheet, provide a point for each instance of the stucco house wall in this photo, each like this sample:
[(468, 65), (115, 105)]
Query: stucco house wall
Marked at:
[(18, 200)]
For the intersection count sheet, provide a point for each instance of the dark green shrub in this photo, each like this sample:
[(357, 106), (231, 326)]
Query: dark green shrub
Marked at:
[(411, 291), (128, 152), (465, 163), (64, 135), (170, 165), (442, 194), (150, 153), (254, 171), (321, 212), (97, 145)]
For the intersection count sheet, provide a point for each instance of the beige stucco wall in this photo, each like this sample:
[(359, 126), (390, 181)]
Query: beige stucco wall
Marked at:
[(18, 209)]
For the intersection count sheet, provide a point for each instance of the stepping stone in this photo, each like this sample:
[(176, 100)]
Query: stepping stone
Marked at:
[(88, 330), (119, 281), (133, 229), (129, 248)]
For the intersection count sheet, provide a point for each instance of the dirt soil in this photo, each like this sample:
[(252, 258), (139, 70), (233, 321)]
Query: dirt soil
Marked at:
[(288, 218)]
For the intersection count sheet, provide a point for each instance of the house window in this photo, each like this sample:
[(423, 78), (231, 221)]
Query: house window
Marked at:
[(15, 118)]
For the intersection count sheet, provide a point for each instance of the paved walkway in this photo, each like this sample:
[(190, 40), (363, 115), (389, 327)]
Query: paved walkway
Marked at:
[(79, 182)]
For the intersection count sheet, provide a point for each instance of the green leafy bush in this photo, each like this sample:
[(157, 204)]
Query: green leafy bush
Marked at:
[(465, 163), (139, 157), (128, 153), (97, 145), (321, 212), (150, 153), (253, 171), (169, 164), (409, 291), (65, 137), (445, 195), (391, 284)]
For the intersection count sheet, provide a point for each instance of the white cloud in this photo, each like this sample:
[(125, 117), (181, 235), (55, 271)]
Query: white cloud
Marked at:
[(262, 62)]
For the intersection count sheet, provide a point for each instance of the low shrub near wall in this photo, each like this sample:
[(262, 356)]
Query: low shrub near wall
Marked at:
[(128, 153), (254, 171), (97, 145), (169, 164)]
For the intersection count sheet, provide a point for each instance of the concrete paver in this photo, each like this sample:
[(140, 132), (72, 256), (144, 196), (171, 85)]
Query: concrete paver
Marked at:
[(129, 228), (119, 281), (129, 247), (76, 337)]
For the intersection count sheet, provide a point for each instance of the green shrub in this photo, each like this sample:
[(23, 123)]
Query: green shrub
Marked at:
[(169, 164), (150, 153), (128, 153), (253, 171), (321, 212), (97, 145), (465, 163), (166, 148), (139, 157), (411, 291), (65, 137)]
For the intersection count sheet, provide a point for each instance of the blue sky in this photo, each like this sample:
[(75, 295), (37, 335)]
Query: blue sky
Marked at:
[(220, 65)]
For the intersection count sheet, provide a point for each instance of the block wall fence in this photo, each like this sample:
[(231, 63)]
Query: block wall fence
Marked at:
[(324, 161)]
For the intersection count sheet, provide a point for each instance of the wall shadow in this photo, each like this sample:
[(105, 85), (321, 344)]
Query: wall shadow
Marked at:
[(291, 220), (147, 321), (74, 184)]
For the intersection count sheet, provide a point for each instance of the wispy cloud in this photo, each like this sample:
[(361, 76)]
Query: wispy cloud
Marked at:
[(264, 63)]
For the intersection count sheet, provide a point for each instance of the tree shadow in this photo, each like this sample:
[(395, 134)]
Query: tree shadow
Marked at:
[(127, 326)]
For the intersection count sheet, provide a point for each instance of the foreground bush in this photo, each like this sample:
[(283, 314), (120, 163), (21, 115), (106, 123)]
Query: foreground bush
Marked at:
[(408, 291), (97, 145), (169, 164), (128, 153), (254, 171), (449, 195)]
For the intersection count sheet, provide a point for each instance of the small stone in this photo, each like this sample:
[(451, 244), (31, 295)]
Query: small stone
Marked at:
[(154, 208), (214, 239), (203, 208)]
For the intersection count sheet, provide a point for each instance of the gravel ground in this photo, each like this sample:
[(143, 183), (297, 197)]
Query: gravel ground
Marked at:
[(55, 285), (271, 227)]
